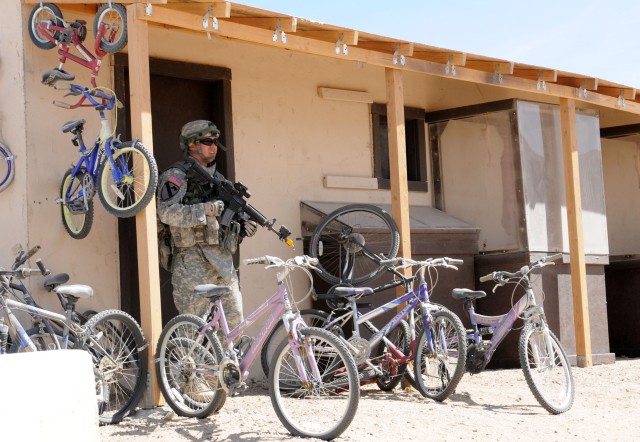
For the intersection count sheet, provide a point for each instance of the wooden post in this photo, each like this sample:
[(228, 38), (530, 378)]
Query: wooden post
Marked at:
[(398, 162), (576, 244), (146, 228)]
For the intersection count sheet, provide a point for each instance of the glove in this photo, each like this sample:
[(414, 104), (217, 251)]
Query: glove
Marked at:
[(213, 208), (250, 228)]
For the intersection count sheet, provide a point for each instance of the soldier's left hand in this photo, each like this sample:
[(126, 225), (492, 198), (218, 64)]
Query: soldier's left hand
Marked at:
[(250, 228)]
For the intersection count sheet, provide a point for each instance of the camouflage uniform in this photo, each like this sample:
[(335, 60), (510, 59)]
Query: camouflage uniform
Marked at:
[(198, 257)]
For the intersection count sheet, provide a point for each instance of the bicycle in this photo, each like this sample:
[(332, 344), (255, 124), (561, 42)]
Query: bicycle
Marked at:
[(437, 353), (543, 360), (348, 241), (113, 339), (44, 333), (7, 166), (124, 175), (195, 374), (47, 29)]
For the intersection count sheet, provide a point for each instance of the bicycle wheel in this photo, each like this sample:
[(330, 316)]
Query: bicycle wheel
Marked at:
[(385, 360), (120, 357), (311, 317), (43, 13), (347, 240), (7, 168), (440, 356), (127, 189), (76, 216), (321, 408), (115, 21), (180, 353), (547, 371)]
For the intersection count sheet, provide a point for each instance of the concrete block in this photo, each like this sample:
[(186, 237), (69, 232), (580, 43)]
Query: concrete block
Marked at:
[(48, 395)]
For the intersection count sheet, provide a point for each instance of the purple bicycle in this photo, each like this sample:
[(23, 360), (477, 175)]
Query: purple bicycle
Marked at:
[(543, 360), (313, 382)]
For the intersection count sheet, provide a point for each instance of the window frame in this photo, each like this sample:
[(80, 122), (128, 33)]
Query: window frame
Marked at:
[(413, 116)]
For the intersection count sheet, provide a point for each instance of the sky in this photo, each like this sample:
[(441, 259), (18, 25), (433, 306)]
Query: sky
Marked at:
[(595, 38)]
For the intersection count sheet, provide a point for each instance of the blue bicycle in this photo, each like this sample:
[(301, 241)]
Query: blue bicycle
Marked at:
[(124, 175)]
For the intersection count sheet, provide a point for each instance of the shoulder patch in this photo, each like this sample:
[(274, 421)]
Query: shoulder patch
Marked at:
[(175, 180)]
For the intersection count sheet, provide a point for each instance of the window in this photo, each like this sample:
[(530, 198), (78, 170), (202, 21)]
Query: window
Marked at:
[(416, 147)]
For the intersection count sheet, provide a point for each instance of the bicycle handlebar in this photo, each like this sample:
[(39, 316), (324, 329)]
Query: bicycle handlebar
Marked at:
[(273, 261), (432, 262), (108, 101), (20, 273), (502, 276)]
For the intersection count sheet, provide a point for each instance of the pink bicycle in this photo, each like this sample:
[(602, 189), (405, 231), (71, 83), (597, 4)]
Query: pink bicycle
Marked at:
[(48, 29)]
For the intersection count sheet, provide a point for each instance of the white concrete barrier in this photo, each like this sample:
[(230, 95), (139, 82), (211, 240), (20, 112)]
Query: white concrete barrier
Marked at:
[(48, 395)]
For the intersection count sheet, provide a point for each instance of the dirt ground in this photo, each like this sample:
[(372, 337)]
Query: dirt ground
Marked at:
[(493, 405)]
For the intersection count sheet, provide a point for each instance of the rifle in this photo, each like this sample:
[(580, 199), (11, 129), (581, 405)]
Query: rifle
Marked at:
[(234, 197)]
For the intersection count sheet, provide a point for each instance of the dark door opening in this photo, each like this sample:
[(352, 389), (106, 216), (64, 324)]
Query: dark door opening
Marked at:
[(180, 92)]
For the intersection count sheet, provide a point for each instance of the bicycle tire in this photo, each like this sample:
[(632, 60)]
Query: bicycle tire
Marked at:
[(115, 17), (311, 317), (120, 358), (438, 372), (339, 384), (392, 375), (51, 12), (189, 394), (559, 398), (138, 184), (6, 172), (347, 233), (78, 225)]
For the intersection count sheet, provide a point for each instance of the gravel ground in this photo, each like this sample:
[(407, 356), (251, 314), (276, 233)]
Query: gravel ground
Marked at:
[(493, 405)]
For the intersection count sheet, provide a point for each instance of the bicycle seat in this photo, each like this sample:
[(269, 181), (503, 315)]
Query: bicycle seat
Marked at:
[(72, 126), (461, 294), (75, 290), (212, 291), (52, 76), (345, 292), (52, 282)]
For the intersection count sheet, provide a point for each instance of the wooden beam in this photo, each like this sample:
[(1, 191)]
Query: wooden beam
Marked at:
[(398, 163), (576, 243), (219, 10), (625, 92), (455, 58), (588, 83), (549, 75), (287, 24), (390, 47), (499, 67), (350, 38), (165, 16), (146, 227)]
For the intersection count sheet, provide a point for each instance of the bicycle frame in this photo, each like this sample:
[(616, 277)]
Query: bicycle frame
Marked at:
[(89, 61), (280, 308), (501, 325)]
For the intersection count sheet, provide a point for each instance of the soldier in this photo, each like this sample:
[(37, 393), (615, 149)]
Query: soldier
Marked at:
[(187, 204)]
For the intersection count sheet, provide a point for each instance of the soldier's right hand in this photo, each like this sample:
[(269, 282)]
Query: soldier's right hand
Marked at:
[(213, 208)]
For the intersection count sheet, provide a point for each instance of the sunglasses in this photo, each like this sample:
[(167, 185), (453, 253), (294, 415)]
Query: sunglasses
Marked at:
[(209, 141)]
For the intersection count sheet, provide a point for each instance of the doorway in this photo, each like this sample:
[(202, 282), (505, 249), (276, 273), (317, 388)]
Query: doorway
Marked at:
[(180, 92)]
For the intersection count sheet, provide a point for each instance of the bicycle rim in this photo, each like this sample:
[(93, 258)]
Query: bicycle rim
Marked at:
[(322, 408), (77, 223), (439, 366), (48, 12), (119, 354), (129, 193), (548, 373), (346, 240), (7, 170), (189, 393), (114, 18)]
